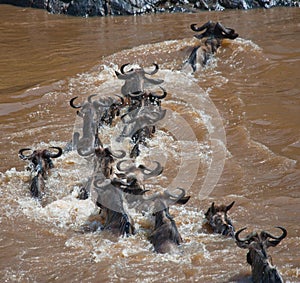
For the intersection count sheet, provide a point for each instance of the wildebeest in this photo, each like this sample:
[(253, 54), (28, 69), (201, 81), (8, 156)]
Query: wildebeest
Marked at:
[(114, 210), (40, 165), (136, 79), (165, 237), (218, 221), (214, 33), (263, 271), (103, 160)]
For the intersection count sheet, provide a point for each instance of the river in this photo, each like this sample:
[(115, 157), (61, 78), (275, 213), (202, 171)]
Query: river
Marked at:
[(247, 99)]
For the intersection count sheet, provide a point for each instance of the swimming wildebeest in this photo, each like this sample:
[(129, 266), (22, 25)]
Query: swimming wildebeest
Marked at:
[(41, 164), (218, 221), (136, 79), (263, 271), (165, 236), (214, 34), (103, 160), (114, 210)]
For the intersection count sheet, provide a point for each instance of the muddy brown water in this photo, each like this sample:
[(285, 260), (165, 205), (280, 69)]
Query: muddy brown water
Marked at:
[(247, 100)]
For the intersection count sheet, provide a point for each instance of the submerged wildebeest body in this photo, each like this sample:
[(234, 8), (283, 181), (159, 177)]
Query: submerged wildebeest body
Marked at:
[(41, 164), (103, 160), (165, 237), (214, 34), (218, 220), (263, 271), (113, 208)]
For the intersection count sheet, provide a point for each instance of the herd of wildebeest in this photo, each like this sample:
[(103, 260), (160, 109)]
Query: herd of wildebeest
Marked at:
[(118, 179)]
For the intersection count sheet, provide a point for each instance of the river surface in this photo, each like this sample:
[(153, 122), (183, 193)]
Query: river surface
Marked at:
[(246, 101)]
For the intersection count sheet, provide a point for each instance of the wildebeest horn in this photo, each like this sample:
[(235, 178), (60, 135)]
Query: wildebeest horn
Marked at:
[(228, 31), (100, 183), (136, 94), (54, 155), (175, 197), (213, 210), (121, 155), (162, 96), (21, 154), (243, 243), (83, 152), (122, 69), (229, 206), (128, 169), (154, 71), (194, 28), (72, 103), (90, 97), (277, 240), (157, 171)]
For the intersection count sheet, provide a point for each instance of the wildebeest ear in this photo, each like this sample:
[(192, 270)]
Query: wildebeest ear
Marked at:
[(230, 206), (211, 210)]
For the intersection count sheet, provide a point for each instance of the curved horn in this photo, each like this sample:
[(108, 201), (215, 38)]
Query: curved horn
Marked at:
[(154, 71), (228, 207), (114, 154), (122, 69), (242, 243), (228, 32), (102, 183), (277, 240), (72, 103), (194, 28), (128, 169), (157, 171), (136, 94), (82, 152), (55, 155), (89, 99), (25, 157), (176, 197), (161, 96)]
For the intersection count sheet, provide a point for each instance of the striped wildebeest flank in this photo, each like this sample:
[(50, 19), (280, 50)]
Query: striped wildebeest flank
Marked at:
[(214, 33), (263, 270), (218, 221), (40, 165)]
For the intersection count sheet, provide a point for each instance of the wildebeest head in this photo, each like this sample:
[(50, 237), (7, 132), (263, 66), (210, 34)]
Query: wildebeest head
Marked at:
[(141, 171), (257, 257), (214, 33), (104, 159), (41, 159), (214, 30), (218, 220), (136, 79)]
